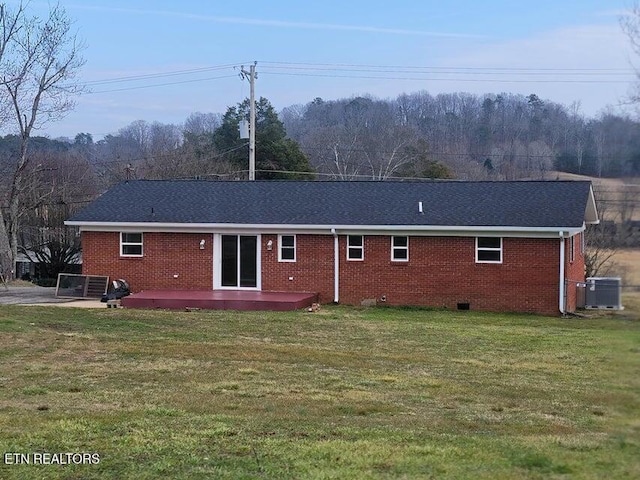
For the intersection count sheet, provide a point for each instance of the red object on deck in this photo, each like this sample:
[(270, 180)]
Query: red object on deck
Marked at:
[(219, 300)]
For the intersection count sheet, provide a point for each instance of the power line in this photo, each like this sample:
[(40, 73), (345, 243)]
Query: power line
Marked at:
[(162, 84), (443, 154), (160, 75), (461, 70), (158, 156), (350, 150), (148, 76), (415, 67), (358, 71), (449, 79)]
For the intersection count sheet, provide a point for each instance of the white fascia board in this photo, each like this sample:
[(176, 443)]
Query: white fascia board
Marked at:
[(400, 230)]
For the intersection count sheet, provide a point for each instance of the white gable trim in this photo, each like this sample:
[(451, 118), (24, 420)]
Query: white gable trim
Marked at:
[(591, 210)]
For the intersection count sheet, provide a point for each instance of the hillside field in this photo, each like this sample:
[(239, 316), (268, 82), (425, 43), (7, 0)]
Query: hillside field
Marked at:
[(611, 193)]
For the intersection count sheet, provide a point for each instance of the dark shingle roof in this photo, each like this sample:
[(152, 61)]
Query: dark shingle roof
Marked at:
[(527, 204)]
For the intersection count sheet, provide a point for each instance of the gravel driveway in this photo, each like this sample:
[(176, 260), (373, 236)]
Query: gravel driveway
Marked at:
[(41, 295)]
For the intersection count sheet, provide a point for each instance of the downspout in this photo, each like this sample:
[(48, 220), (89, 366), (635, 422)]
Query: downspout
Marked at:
[(336, 267), (561, 301)]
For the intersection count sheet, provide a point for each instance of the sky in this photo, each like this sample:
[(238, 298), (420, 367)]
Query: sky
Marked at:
[(160, 61)]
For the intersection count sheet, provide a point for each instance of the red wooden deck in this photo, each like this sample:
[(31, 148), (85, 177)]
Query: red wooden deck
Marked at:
[(219, 300)]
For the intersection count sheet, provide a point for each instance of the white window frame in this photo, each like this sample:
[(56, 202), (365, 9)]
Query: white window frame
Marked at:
[(395, 248), (359, 247), (281, 247), (489, 249), (125, 244), (217, 263)]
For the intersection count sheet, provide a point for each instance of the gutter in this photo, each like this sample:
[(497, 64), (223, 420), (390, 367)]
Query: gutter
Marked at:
[(561, 301), (336, 267), (427, 230)]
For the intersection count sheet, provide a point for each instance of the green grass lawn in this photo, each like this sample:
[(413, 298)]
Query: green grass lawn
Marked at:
[(342, 393)]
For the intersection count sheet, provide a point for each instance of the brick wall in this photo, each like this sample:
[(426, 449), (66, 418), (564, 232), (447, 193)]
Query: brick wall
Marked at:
[(441, 271), (312, 271), (165, 255), (574, 269)]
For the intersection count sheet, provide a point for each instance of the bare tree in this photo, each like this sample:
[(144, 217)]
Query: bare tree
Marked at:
[(598, 257), (39, 61), (199, 123), (600, 247), (614, 232), (630, 23), (334, 151)]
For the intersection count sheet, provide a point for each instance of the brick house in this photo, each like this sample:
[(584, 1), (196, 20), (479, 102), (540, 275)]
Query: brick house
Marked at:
[(496, 246)]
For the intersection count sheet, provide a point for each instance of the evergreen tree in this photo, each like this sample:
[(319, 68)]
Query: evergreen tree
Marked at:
[(276, 154)]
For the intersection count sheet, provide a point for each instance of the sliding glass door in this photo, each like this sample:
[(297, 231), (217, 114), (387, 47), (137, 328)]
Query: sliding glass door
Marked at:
[(239, 255)]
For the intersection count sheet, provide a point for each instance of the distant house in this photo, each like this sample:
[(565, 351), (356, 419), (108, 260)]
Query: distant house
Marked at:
[(29, 266), (496, 246)]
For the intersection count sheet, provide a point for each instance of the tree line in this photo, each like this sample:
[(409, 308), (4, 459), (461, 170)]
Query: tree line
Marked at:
[(461, 136), (457, 135), (503, 136)]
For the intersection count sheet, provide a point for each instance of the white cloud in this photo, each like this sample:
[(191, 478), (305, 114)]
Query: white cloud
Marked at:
[(279, 23), (590, 64)]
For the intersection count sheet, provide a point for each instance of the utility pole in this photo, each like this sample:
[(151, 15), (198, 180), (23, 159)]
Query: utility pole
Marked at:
[(251, 76)]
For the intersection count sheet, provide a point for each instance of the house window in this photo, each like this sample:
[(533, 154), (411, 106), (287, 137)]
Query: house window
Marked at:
[(400, 249), (286, 248), (355, 247), (488, 250), (130, 244), (572, 249)]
